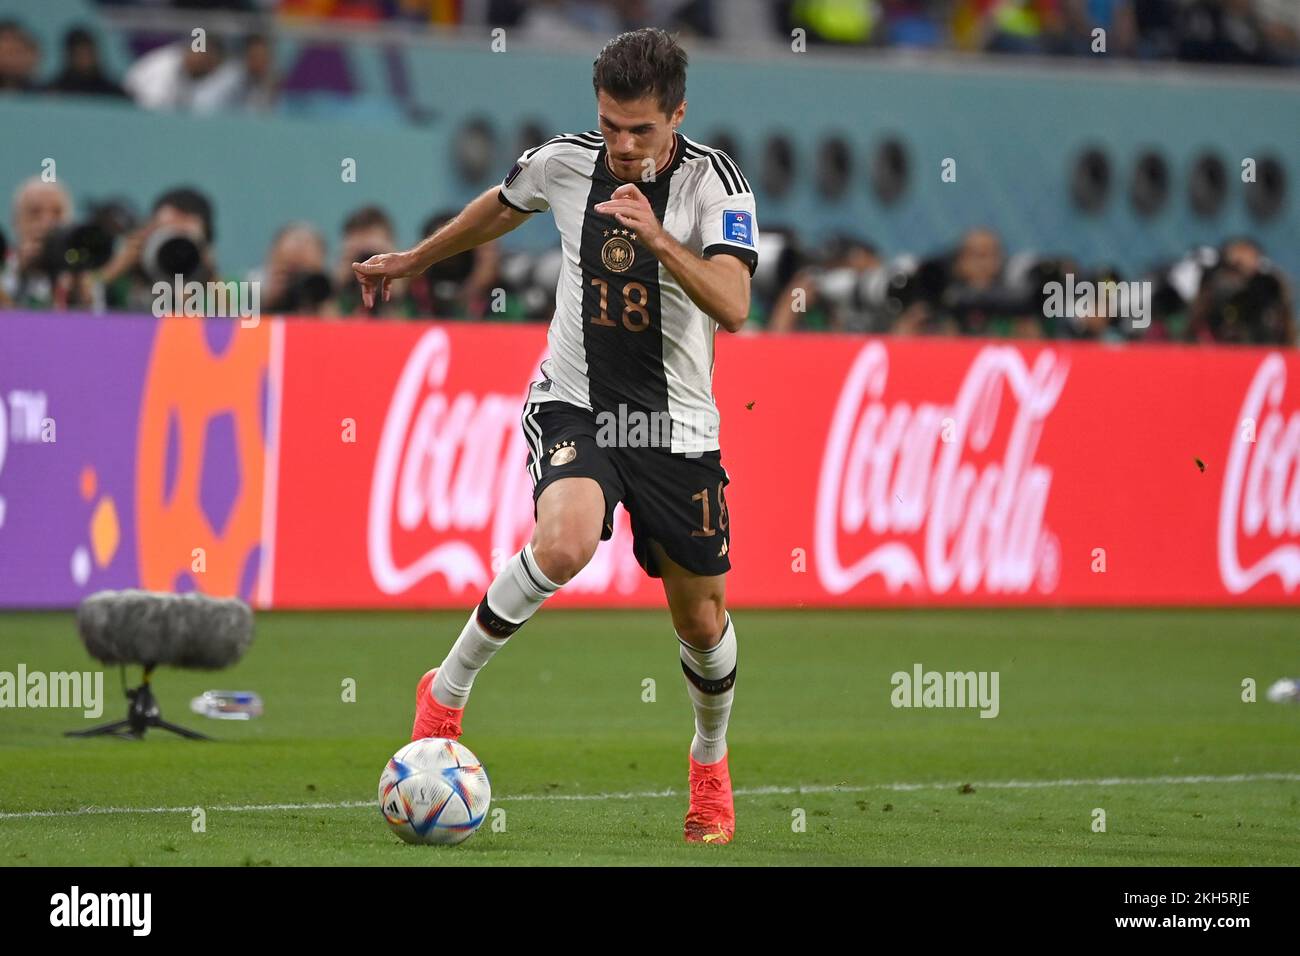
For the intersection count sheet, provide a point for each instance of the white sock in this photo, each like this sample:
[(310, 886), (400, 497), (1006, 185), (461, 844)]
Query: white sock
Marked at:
[(512, 598), (710, 682)]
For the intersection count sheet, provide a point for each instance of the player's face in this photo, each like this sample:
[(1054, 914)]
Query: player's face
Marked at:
[(638, 134)]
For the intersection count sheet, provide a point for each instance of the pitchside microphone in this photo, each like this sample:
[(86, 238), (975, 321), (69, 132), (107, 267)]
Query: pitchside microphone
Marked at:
[(183, 630), (148, 628)]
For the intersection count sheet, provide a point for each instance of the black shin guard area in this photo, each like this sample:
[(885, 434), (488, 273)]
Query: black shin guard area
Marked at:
[(709, 686), (495, 625)]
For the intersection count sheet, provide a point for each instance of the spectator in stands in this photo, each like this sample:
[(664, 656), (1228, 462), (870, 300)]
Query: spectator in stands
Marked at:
[(845, 22), (249, 83), (176, 240), (1156, 22), (261, 83), (20, 58), (39, 208), (295, 279), (82, 73), (562, 19), (239, 6), (368, 232), (361, 10), (1221, 31), (914, 23), (1023, 26), (1244, 299), (180, 77), (1116, 20), (1280, 20)]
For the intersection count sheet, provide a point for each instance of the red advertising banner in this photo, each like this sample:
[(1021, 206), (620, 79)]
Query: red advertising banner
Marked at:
[(864, 471)]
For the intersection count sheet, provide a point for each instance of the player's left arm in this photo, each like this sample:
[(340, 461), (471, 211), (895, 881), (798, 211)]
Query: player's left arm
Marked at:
[(719, 285)]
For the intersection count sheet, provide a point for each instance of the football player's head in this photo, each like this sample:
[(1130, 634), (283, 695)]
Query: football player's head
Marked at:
[(640, 83)]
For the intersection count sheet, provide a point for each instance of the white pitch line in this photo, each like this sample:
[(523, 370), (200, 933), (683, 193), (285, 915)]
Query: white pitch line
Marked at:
[(739, 792)]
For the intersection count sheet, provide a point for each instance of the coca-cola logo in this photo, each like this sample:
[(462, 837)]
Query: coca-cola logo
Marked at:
[(921, 495), (450, 494), (1259, 506)]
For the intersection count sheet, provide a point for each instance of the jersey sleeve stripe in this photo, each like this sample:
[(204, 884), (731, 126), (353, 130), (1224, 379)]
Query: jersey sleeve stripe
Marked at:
[(501, 195), (748, 256)]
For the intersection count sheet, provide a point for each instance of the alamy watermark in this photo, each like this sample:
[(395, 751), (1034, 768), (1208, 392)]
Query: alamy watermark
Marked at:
[(922, 688), (1083, 298), (56, 689), (230, 300), (129, 910), (636, 428)]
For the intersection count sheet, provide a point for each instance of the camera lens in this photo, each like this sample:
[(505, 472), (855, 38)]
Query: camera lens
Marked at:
[(310, 289), (179, 256), (170, 253), (76, 248)]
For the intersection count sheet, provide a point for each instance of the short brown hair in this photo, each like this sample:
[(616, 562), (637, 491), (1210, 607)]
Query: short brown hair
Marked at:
[(645, 62)]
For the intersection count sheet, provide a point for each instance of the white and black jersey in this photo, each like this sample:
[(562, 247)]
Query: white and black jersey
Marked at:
[(625, 333)]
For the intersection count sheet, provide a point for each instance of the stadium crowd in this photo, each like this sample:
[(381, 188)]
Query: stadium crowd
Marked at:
[(109, 256), (1238, 31), (111, 259), (240, 72)]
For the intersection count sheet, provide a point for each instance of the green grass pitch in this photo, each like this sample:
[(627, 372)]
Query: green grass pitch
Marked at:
[(1121, 711)]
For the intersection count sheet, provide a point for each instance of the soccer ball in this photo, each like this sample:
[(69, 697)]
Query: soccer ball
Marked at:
[(434, 791)]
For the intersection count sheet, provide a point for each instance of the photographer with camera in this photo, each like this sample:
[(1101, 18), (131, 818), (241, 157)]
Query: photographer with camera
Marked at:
[(1244, 299), (369, 232), (967, 292), (176, 240), (48, 262), (294, 278), (828, 295), (461, 287)]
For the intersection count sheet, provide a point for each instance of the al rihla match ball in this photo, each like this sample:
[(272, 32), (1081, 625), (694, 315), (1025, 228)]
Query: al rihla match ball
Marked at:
[(434, 791)]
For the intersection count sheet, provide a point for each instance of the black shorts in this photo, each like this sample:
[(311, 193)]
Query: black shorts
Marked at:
[(674, 499)]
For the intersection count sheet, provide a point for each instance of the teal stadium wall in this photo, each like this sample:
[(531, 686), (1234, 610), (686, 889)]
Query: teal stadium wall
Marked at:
[(1012, 127)]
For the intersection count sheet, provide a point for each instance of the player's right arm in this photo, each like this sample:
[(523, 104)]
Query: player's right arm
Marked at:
[(482, 220), (494, 213)]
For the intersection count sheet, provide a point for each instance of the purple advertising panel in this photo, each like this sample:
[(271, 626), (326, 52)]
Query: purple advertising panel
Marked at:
[(131, 455)]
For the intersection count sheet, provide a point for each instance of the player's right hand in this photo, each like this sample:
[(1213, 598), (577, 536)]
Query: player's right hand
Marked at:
[(374, 273)]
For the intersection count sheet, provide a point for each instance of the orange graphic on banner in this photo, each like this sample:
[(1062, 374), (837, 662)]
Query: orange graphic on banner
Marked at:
[(201, 452)]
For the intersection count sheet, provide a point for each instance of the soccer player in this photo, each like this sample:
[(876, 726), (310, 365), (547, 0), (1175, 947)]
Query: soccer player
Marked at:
[(660, 243)]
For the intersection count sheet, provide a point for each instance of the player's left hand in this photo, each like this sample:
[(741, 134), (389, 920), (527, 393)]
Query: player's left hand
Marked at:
[(629, 206)]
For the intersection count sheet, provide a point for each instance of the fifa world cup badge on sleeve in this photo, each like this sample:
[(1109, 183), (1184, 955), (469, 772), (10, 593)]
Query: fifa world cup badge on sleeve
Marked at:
[(735, 226)]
